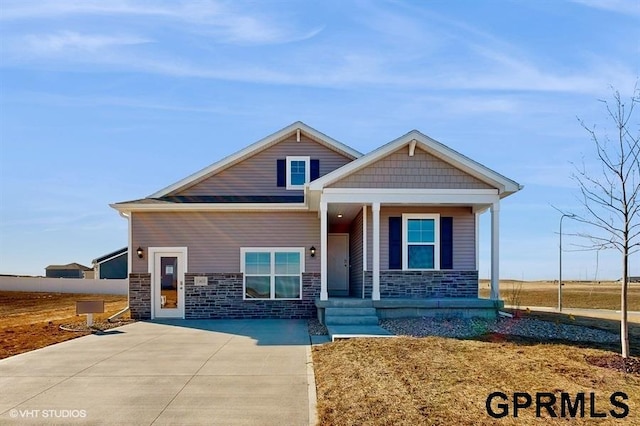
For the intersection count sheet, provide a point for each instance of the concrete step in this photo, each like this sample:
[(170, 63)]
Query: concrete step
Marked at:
[(345, 303), (350, 312), (351, 320), (351, 331)]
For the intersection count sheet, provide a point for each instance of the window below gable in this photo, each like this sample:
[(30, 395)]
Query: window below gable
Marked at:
[(298, 172)]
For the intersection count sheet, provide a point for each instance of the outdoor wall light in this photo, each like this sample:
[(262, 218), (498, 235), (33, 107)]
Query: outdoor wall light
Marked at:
[(312, 250), (140, 252)]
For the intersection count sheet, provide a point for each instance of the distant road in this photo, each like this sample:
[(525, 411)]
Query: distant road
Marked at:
[(633, 316)]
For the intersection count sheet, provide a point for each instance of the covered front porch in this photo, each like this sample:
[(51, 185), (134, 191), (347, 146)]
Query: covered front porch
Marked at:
[(366, 247), (410, 211), (381, 232)]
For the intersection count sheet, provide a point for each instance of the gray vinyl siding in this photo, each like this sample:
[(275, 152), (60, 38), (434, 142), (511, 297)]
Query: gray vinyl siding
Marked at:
[(398, 170), (214, 239), (464, 242), (257, 175), (355, 254), (464, 238)]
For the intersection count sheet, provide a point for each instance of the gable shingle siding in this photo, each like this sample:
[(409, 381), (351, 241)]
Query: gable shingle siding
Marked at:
[(398, 170)]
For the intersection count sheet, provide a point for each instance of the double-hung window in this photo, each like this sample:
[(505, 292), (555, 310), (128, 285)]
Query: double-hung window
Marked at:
[(421, 241), (298, 172), (272, 273)]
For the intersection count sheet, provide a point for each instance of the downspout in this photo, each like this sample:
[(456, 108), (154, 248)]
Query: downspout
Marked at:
[(115, 316)]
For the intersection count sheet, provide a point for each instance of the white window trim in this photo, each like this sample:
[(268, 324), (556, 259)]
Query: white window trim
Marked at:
[(272, 275), (307, 171), (405, 242)]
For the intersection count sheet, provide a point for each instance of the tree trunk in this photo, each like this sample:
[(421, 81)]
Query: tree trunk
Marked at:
[(624, 330)]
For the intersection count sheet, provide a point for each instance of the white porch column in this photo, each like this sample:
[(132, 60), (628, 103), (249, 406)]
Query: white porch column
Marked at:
[(495, 251), (375, 294), (365, 268), (324, 294), (478, 242)]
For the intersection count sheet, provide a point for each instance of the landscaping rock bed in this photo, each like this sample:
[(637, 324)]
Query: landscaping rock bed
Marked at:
[(316, 329), (524, 327)]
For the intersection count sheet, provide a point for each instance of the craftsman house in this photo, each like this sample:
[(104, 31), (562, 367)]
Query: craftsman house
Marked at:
[(297, 220)]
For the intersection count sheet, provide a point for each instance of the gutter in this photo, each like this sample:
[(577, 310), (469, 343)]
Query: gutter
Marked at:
[(125, 310)]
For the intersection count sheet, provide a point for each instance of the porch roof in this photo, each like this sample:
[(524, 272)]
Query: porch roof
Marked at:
[(415, 139)]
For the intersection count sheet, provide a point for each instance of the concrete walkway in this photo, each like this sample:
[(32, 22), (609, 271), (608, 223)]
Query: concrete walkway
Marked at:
[(231, 372)]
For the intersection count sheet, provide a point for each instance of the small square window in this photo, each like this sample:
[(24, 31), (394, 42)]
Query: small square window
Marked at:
[(298, 172)]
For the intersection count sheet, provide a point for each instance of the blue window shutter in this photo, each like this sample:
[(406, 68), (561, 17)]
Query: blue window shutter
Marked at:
[(282, 172), (446, 243), (315, 169), (395, 243)]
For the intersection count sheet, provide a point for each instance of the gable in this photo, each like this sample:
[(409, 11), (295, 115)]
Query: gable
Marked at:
[(257, 174), (399, 170)]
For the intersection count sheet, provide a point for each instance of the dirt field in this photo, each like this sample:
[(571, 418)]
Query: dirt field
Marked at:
[(575, 294), (31, 320)]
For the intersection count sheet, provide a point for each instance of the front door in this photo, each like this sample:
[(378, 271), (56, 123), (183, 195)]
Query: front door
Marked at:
[(338, 265), (168, 283)]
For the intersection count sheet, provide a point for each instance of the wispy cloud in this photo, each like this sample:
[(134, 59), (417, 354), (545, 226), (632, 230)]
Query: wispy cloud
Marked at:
[(409, 37), (626, 7), (212, 18), (70, 40)]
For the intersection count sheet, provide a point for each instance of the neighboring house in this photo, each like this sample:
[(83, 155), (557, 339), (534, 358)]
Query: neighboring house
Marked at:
[(113, 265), (285, 226), (72, 270)]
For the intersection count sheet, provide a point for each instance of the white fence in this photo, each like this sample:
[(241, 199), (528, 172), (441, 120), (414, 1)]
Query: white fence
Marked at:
[(64, 285)]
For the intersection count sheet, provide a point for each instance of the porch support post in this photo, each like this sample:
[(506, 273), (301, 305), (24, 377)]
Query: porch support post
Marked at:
[(365, 268), (477, 241), (375, 294), (495, 251), (324, 294)]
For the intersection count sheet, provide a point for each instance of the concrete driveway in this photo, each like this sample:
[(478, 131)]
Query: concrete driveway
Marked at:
[(250, 372)]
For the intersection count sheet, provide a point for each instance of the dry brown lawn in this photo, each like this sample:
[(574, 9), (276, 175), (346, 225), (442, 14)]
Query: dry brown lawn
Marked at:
[(31, 320), (440, 381), (575, 294)]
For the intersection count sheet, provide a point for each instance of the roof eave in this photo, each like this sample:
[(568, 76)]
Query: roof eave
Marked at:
[(141, 207)]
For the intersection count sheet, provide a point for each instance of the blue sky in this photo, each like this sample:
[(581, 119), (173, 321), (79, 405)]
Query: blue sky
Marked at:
[(110, 101)]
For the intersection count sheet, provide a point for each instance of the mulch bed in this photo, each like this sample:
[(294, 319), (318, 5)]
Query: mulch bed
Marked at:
[(616, 362)]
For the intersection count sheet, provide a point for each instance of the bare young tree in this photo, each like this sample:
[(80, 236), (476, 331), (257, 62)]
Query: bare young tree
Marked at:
[(610, 192)]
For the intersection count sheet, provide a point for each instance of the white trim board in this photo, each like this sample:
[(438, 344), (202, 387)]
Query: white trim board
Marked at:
[(138, 207), (425, 199)]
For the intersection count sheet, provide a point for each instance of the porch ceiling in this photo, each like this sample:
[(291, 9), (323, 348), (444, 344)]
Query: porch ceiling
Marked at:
[(348, 212)]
